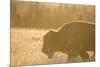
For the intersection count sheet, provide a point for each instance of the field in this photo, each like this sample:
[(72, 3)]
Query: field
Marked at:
[(26, 46)]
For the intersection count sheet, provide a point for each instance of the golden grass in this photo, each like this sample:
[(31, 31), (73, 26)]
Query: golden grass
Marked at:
[(26, 46)]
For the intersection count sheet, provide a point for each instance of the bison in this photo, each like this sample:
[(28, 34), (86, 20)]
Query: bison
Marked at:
[(75, 38)]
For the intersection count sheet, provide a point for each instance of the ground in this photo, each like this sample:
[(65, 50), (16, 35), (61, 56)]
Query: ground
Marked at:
[(26, 48)]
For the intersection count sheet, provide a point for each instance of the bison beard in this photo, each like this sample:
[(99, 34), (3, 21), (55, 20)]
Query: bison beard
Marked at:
[(73, 39)]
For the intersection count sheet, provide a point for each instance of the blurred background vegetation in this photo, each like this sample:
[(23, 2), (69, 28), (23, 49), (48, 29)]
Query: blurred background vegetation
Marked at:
[(48, 15)]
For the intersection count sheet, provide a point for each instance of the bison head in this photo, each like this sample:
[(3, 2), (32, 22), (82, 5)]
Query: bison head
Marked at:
[(48, 41)]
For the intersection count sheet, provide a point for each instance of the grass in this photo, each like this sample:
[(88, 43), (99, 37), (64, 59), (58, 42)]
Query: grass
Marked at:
[(26, 46)]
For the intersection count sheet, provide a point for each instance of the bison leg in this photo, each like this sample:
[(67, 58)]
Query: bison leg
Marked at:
[(84, 56), (72, 56), (50, 53)]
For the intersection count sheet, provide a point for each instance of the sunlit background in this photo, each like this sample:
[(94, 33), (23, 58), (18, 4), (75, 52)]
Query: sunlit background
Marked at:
[(27, 13)]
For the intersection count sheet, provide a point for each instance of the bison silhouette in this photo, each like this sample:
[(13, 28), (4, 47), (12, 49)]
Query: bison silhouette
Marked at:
[(75, 38)]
